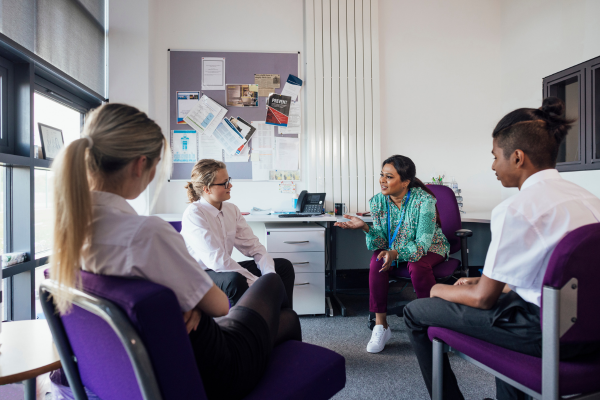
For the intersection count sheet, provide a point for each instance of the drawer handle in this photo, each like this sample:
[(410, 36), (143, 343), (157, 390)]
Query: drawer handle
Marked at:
[(303, 262), (292, 242), (301, 284)]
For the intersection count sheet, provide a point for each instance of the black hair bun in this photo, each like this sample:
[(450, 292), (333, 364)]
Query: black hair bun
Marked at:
[(553, 106)]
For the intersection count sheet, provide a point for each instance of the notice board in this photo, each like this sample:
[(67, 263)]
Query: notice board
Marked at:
[(185, 74)]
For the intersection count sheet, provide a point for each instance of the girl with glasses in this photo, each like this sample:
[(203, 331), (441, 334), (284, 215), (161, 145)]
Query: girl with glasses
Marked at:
[(212, 227)]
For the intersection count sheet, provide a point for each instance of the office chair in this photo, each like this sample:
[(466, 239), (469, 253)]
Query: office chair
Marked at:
[(457, 237), (569, 316), (125, 340)]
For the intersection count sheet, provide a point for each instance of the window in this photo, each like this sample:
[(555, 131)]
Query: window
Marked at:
[(579, 88), (50, 112), (43, 211)]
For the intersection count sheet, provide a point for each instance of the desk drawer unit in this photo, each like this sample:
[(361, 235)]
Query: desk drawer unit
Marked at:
[(304, 245)]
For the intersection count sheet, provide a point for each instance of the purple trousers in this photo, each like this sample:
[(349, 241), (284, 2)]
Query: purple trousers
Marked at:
[(421, 275)]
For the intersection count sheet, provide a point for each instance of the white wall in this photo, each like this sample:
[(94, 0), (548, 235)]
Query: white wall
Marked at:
[(440, 90), (128, 63), (540, 38), (224, 25)]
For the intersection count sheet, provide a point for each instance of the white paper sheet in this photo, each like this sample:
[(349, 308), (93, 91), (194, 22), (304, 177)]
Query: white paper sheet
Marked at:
[(206, 115), (263, 137), (184, 146), (213, 73), (228, 136), (185, 102), (261, 168), (210, 148), (295, 116), (286, 154), (292, 87), (242, 157)]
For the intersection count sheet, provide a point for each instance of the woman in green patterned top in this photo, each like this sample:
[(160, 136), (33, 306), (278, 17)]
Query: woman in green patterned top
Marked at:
[(413, 240)]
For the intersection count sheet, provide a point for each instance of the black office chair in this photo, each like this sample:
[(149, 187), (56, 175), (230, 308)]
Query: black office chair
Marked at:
[(457, 237)]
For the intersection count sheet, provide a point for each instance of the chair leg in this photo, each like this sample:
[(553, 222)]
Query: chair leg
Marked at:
[(437, 381)]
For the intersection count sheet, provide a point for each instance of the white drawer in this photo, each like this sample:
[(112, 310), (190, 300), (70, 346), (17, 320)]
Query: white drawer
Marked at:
[(309, 293), (305, 261), (291, 242)]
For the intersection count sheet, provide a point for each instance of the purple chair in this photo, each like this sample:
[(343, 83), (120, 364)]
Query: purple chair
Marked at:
[(569, 315), (457, 237), (125, 339), (176, 225)]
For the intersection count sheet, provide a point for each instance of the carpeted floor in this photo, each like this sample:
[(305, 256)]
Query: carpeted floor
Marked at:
[(392, 374)]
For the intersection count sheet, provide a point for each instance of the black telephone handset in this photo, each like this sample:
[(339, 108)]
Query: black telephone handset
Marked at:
[(310, 203)]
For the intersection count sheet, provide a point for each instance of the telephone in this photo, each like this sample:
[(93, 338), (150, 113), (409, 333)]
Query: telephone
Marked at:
[(310, 203)]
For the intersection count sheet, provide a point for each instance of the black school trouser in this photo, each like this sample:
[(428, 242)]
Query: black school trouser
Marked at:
[(234, 284), (512, 323)]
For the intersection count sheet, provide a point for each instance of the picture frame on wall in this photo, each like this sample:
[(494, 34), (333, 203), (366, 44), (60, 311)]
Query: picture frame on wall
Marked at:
[(52, 141)]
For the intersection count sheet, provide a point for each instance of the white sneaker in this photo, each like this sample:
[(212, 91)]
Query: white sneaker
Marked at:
[(379, 338)]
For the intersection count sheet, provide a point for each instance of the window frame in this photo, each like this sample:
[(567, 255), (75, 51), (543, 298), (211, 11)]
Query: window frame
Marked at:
[(586, 119), (7, 106)]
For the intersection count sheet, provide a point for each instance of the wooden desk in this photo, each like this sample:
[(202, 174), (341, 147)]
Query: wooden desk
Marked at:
[(27, 351)]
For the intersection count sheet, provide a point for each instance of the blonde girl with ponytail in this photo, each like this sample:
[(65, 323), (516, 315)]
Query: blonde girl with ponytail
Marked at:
[(212, 227), (96, 230)]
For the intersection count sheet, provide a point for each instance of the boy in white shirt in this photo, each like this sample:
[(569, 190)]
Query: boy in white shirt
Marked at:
[(212, 227), (503, 306)]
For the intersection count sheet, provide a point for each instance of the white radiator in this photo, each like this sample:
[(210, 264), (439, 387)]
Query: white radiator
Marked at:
[(342, 100)]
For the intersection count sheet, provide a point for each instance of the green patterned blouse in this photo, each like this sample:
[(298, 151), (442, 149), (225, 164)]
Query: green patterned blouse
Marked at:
[(419, 233)]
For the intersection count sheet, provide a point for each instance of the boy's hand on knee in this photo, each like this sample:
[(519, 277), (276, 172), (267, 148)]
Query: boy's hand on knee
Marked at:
[(466, 281)]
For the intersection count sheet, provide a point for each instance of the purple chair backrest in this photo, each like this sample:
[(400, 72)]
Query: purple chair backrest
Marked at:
[(176, 225), (155, 313), (577, 256), (449, 214)]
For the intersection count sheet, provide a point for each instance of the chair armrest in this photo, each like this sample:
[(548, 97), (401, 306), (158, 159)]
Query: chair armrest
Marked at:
[(464, 233)]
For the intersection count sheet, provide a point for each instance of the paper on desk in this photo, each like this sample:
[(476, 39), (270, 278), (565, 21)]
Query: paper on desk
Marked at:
[(213, 73), (206, 115), (184, 146), (263, 137), (210, 148), (229, 137), (185, 102), (292, 87), (286, 154), (293, 126)]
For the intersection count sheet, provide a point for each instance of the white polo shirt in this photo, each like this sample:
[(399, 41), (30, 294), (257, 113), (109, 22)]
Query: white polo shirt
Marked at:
[(527, 227), (211, 234), (127, 244)]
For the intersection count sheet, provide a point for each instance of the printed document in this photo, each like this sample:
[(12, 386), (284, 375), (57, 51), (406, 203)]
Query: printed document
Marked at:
[(292, 87), (267, 83), (210, 148), (286, 151), (213, 73), (206, 115), (263, 137), (242, 157), (262, 167), (185, 102), (293, 126), (229, 137), (184, 146)]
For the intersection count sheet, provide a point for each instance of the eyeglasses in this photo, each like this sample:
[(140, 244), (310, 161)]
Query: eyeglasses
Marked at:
[(226, 184)]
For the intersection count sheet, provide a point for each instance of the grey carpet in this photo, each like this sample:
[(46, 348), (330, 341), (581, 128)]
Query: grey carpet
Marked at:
[(392, 374)]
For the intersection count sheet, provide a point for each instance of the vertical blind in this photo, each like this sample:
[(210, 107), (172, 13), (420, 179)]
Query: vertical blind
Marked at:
[(342, 102), (69, 34)]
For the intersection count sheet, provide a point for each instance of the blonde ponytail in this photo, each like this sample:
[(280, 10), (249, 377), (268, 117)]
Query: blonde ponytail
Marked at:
[(72, 220), (114, 136), (203, 175)]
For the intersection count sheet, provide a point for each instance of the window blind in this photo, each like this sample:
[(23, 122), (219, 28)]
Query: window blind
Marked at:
[(68, 34)]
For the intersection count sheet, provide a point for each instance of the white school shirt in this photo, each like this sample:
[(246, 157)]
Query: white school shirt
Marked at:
[(211, 234), (527, 227), (127, 244)]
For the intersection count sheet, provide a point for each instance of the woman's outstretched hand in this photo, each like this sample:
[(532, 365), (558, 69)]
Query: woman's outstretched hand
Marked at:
[(354, 223)]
